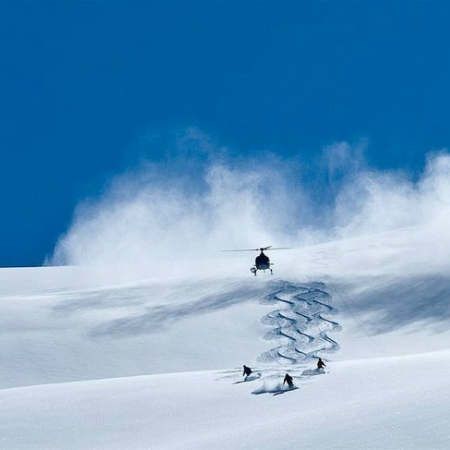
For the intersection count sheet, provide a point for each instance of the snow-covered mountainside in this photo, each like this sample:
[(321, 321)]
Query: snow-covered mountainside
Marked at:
[(94, 361), (382, 403)]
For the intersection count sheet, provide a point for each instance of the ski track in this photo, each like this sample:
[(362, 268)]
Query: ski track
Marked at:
[(301, 325)]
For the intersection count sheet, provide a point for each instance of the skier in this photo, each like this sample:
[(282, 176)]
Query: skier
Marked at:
[(247, 372), (289, 380), (320, 364)]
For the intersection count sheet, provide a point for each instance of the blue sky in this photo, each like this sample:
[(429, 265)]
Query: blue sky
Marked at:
[(81, 84)]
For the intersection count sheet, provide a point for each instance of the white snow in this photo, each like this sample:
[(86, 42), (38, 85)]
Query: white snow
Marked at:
[(91, 361), (384, 403)]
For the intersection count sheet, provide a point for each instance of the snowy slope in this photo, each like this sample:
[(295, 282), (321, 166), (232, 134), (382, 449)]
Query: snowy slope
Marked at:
[(61, 334), (382, 326), (70, 323), (386, 403)]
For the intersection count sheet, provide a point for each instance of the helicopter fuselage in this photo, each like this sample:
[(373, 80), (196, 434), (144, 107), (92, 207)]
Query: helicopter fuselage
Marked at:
[(262, 262)]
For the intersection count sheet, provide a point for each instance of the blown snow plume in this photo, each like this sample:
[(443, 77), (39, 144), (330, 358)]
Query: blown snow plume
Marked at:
[(146, 221), (163, 220)]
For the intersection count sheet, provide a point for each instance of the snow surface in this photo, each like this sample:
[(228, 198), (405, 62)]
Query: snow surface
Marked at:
[(383, 403), (94, 361)]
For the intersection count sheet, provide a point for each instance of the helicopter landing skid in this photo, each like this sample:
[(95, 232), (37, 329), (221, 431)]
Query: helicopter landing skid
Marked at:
[(253, 270)]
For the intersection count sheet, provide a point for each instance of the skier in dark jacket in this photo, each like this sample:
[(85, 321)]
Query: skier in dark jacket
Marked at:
[(247, 372), (289, 380), (320, 364)]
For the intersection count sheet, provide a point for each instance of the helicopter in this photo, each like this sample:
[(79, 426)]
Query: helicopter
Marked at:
[(262, 261)]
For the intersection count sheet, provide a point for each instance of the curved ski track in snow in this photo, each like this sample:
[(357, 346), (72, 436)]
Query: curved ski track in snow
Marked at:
[(301, 327)]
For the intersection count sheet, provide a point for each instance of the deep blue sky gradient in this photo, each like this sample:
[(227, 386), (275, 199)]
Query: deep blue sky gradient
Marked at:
[(81, 82)]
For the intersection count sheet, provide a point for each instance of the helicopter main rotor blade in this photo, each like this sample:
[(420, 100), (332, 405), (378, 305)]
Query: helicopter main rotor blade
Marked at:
[(258, 249), (274, 248), (243, 250)]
